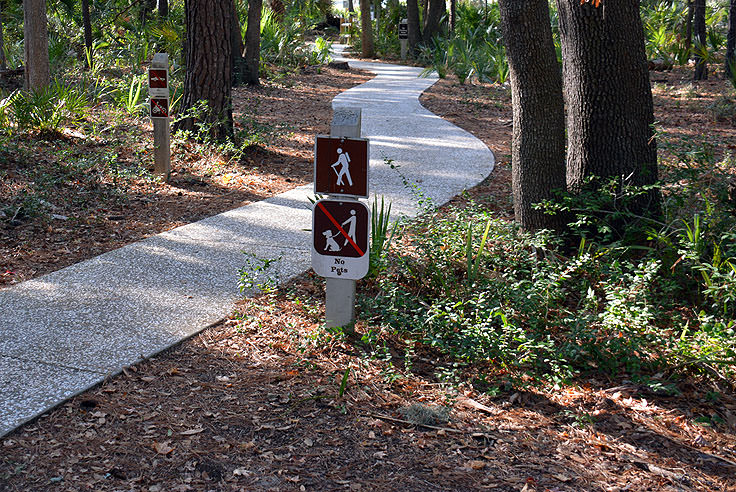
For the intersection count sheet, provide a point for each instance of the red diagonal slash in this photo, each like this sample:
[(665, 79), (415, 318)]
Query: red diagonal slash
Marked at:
[(339, 228), (160, 108)]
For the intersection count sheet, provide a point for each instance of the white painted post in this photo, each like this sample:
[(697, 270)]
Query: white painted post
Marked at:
[(161, 130), (340, 292)]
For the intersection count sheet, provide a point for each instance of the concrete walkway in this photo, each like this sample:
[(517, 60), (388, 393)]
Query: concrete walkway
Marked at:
[(64, 332)]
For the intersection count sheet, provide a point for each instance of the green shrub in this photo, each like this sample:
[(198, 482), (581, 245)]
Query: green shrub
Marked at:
[(480, 290), (49, 108), (474, 51)]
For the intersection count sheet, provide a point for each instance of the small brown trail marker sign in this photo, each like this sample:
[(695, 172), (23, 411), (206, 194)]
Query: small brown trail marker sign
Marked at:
[(341, 166), (159, 108), (340, 231), (158, 91), (158, 78)]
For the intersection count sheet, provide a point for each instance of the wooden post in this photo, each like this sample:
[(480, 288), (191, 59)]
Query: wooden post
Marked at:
[(161, 129), (340, 292)]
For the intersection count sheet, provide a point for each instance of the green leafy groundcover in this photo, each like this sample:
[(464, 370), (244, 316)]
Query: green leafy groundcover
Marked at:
[(479, 289)]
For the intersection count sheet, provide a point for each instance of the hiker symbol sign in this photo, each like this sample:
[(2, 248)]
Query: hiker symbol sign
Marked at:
[(340, 239), (341, 166)]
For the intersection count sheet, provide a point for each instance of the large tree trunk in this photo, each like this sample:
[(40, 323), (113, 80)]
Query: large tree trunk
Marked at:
[(415, 30), (87, 24), (434, 12), (538, 147), (3, 62), (609, 98), (731, 42), (163, 8), (36, 44), (253, 42), (208, 62), (701, 66), (239, 67), (366, 29)]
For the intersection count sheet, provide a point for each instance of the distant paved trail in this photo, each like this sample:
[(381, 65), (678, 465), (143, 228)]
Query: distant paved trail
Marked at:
[(66, 331)]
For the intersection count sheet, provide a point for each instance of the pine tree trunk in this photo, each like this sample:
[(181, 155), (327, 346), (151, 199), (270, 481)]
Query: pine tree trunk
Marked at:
[(415, 31), (36, 44), (608, 97), (253, 42), (689, 27), (366, 29), (87, 23), (701, 66), (239, 67), (538, 146), (3, 62), (731, 42), (208, 63), (434, 12)]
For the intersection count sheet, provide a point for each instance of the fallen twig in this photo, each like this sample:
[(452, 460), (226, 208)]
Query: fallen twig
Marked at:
[(469, 402), (401, 421)]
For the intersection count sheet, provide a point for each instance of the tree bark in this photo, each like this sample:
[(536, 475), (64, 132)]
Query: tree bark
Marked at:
[(731, 42), (87, 24), (208, 63), (253, 42), (36, 44), (432, 17), (3, 62), (239, 67), (701, 66), (608, 97), (415, 30), (163, 8), (538, 146), (366, 29), (689, 27)]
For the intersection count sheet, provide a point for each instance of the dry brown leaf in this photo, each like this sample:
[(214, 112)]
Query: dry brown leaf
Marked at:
[(162, 447), (191, 432)]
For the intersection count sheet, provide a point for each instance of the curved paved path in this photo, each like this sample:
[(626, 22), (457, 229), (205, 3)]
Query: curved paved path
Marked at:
[(65, 332)]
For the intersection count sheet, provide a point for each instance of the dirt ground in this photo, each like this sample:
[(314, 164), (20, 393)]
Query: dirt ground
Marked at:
[(269, 400)]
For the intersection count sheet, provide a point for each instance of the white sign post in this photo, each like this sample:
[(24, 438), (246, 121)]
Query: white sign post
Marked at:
[(158, 92), (341, 235)]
